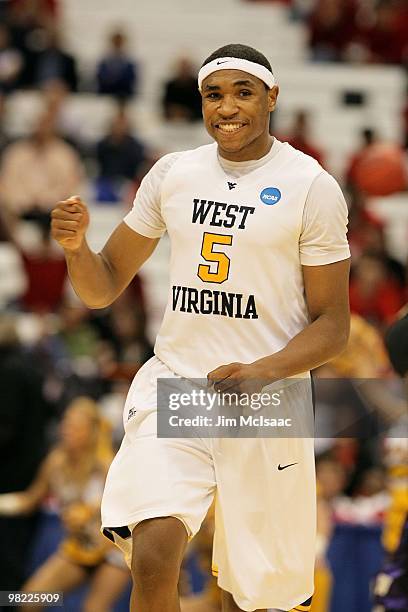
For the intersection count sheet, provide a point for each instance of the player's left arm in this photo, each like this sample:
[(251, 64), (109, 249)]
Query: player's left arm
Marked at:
[(325, 261), (326, 289), (327, 298)]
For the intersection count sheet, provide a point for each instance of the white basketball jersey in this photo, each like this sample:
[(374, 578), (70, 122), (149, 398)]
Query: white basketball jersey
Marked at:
[(237, 248)]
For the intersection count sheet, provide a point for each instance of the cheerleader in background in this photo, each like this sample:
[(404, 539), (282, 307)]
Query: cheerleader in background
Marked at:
[(74, 475)]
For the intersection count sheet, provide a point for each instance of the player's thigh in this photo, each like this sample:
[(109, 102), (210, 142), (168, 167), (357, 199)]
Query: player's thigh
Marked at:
[(229, 605), (107, 584), (56, 574), (179, 481)]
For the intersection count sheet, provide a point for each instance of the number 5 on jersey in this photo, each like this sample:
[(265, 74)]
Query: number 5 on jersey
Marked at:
[(223, 262)]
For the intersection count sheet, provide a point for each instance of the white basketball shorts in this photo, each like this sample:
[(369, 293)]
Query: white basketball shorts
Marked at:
[(264, 518)]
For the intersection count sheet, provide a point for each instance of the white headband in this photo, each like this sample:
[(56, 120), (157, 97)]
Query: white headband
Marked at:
[(234, 63)]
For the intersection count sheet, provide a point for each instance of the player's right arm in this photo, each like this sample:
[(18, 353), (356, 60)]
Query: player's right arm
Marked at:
[(98, 278)]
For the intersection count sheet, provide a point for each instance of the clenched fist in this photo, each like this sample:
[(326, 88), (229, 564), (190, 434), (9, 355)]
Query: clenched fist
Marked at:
[(69, 222)]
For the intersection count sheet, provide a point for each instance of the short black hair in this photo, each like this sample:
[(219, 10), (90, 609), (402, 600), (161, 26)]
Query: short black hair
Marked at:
[(241, 52), (396, 341)]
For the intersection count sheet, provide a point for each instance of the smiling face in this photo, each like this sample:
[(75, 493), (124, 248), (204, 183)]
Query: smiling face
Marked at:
[(236, 107)]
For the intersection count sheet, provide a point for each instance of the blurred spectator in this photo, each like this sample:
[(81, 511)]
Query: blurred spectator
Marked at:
[(75, 354), (4, 138), (331, 477), (68, 123), (117, 73), (300, 139), (332, 27), (405, 120), (46, 274), (342, 30), (355, 455), (125, 346), (129, 334), (60, 350), (129, 345), (24, 26), (23, 417), (301, 9), (38, 171), (391, 584), (27, 20), (53, 63), (73, 475), (330, 483), (120, 157), (133, 297), (397, 343), (181, 98), (372, 482), (77, 335), (45, 12), (367, 138), (366, 509), (364, 356), (11, 62), (374, 295), (341, 411), (375, 243), (386, 40), (367, 234), (378, 168), (361, 220)]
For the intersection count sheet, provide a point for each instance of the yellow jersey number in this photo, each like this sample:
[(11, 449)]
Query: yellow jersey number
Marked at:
[(223, 262)]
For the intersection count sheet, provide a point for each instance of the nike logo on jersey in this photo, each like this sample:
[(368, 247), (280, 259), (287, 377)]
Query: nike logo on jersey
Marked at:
[(231, 185), (224, 62), (283, 467)]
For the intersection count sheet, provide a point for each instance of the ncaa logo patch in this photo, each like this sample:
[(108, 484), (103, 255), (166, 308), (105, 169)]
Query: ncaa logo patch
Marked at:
[(270, 195)]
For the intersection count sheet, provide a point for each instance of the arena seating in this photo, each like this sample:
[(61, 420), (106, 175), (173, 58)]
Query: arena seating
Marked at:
[(180, 28), (157, 42)]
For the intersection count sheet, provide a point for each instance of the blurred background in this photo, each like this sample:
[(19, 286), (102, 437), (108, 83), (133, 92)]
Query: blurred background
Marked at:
[(91, 95)]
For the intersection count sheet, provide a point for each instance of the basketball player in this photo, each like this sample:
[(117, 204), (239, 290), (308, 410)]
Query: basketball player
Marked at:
[(259, 292), (391, 587)]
